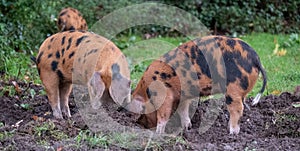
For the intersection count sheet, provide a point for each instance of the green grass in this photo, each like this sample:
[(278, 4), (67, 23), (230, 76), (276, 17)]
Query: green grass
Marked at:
[(127, 140), (48, 130), (18, 66), (283, 71), (92, 139)]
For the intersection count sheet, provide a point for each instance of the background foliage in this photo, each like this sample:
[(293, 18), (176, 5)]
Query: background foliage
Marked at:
[(277, 16), (24, 24)]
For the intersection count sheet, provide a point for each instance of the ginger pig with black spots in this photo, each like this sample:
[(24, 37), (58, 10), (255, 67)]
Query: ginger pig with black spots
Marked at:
[(71, 19), (79, 57), (201, 67)]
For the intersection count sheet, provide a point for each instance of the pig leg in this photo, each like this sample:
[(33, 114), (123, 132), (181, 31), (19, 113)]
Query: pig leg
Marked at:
[(64, 93), (235, 108), (164, 113), (51, 83), (162, 119), (183, 111)]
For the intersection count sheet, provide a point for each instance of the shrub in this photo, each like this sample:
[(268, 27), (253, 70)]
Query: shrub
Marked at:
[(279, 16), (25, 24)]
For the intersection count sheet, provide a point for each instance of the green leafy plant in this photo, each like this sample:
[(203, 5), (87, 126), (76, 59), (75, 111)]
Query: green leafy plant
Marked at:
[(124, 139), (293, 40), (7, 90), (48, 129), (25, 106), (93, 139), (6, 134)]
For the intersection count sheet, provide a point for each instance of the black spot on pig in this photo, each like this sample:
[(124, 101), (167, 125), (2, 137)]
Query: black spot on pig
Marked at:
[(62, 51), (78, 41), (231, 43), (71, 55), (57, 54), (39, 57), (69, 44), (54, 65), (60, 75), (168, 85), (228, 100), (154, 78), (63, 13), (244, 82), (63, 40)]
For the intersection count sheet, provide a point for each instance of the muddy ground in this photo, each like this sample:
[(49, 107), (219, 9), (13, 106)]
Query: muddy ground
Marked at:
[(274, 124)]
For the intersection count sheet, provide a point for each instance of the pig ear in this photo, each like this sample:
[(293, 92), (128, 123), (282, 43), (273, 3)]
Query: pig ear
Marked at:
[(120, 89), (96, 88)]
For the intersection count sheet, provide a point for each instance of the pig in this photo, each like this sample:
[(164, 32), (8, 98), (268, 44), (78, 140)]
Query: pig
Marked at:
[(85, 58), (200, 67), (71, 19)]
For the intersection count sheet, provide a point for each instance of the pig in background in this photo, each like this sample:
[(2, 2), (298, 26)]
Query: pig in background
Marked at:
[(71, 19)]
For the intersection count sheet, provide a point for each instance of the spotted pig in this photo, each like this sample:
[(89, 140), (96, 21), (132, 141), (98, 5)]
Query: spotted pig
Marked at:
[(79, 57), (71, 19), (201, 67)]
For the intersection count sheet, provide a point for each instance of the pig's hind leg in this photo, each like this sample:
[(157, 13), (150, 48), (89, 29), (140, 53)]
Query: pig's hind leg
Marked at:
[(51, 83), (64, 93)]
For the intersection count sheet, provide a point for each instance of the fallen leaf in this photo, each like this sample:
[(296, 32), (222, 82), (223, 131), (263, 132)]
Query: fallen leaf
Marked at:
[(26, 78), (17, 88), (35, 117), (275, 51), (276, 92), (281, 52), (47, 113)]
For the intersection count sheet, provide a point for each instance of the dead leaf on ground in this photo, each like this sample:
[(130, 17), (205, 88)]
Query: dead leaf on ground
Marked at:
[(37, 118), (17, 88), (281, 52), (276, 92), (27, 78)]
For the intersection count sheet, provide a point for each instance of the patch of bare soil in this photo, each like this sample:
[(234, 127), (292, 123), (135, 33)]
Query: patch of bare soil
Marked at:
[(273, 124)]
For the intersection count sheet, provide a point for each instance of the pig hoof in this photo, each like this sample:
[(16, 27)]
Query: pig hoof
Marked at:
[(66, 112), (96, 104), (57, 115), (235, 130), (187, 125), (160, 129)]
